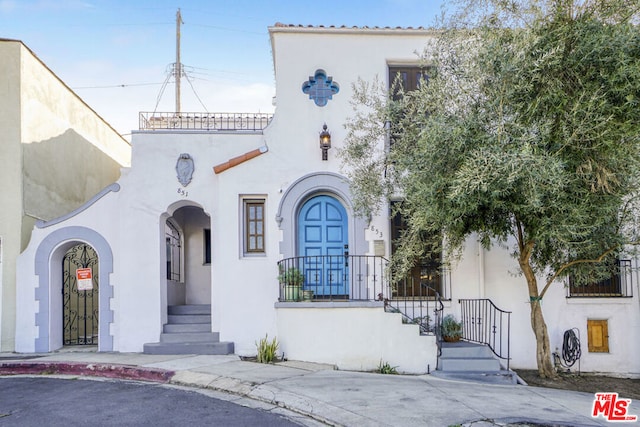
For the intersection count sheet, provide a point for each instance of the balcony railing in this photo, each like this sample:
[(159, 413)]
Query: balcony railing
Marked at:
[(335, 277), (250, 122), (362, 278)]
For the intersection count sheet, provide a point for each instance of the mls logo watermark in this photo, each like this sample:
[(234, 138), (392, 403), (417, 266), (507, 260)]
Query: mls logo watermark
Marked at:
[(612, 408)]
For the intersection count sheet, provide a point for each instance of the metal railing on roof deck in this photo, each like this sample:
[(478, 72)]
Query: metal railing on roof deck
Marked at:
[(204, 121)]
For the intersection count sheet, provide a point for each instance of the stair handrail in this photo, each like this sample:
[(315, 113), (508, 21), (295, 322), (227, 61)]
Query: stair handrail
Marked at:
[(484, 323), (438, 314)]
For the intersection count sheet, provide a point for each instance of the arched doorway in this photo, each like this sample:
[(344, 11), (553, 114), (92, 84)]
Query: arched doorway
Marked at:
[(80, 296), (49, 293), (187, 250), (323, 242)]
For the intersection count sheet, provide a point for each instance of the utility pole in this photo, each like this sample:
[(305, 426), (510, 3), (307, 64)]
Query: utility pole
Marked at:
[(177, 69)]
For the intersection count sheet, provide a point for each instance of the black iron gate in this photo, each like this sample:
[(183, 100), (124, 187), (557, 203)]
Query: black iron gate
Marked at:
[(80, 307)]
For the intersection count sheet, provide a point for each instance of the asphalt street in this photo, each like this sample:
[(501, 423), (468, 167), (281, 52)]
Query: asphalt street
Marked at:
[(45, 401)]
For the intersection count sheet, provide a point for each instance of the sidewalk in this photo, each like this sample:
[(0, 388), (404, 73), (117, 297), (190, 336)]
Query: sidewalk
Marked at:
[(334, 397)]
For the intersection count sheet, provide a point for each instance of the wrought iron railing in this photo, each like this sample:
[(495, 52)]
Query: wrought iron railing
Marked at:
[(334, 277), (484, 323), (361, 278), (204, 121)]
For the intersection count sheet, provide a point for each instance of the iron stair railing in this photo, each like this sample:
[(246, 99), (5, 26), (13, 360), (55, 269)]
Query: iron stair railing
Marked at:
[(484, 323)]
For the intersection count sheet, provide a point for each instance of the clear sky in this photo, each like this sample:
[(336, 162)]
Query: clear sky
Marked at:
[(115, 54)]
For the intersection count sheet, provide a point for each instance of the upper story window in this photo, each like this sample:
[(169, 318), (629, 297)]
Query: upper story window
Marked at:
[(406, 78), (618, 285)]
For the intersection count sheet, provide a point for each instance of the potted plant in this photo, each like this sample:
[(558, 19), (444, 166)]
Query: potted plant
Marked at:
[(451, 329), (292, 279)]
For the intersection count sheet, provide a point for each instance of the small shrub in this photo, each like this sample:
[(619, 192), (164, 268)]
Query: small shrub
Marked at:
[(451, 328), (267, 350), (386, 368)]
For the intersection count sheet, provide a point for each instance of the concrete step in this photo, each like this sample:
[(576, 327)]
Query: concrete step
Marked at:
[(189, 318), (190, 309), (466, 364), (465, 349), (189, 337), (216, 348), (463, 357), (186, 327)]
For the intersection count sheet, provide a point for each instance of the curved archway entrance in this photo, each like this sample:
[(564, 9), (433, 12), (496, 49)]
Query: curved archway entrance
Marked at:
[(48, 262), (187, 241)]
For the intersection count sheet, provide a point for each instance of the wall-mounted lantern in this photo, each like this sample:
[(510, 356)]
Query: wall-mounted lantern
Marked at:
[(325, 141)]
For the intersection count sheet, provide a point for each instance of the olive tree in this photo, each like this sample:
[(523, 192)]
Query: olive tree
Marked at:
[(525, 135)]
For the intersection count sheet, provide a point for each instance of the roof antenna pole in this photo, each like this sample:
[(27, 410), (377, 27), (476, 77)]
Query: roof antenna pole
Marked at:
[(177, 69)]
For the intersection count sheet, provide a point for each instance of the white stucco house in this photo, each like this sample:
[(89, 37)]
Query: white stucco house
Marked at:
[(56, 154), (215, 210)]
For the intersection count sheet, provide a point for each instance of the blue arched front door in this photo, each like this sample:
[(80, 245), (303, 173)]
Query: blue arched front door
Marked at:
[(323, 239)]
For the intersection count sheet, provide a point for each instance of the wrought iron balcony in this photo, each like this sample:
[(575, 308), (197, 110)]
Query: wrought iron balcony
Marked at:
[(330, 278), (249, 122)]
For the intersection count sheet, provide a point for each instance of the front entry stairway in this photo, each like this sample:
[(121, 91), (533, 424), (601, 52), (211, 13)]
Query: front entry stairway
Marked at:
[(188, 331), (468, 361)]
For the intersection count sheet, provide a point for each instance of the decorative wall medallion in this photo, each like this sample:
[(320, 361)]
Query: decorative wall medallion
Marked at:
[(184, 169), (320, 88)]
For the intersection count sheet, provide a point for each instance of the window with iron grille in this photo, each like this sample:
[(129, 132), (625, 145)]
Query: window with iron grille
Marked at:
[(616, 285)]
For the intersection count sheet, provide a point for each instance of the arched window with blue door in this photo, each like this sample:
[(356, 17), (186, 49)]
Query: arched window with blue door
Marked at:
[(323, 242)]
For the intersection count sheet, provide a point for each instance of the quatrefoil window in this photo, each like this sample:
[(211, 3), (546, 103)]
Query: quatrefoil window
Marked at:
[(320, 88)]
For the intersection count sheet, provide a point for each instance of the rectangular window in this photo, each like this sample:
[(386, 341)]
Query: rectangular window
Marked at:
[(207, 246), (254, 231), (427, 276), (598, 336), (406, 78), (617, 285)]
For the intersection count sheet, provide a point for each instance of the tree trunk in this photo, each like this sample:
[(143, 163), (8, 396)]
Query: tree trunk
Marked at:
[(543, 347)]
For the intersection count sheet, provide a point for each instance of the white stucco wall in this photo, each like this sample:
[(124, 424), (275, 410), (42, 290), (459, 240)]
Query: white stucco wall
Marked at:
[(354, 338)]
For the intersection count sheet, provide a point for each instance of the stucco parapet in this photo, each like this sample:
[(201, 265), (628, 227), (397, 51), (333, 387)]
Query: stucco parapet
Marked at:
[(330, 304), (115, 187)]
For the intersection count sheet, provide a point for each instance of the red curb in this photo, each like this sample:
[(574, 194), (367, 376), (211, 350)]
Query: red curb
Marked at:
[(107, 370)]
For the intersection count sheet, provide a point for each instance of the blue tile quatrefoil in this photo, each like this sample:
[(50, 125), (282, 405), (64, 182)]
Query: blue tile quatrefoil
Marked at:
[(320, 88)]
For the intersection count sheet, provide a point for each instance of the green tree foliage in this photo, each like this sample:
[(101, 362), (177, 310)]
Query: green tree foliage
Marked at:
[(526, 135)]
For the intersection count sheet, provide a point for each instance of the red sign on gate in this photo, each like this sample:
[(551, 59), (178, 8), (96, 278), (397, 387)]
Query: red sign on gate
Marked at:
[(84, 279)]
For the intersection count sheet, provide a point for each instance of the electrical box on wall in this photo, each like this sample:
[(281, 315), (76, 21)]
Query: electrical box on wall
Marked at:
[(598, 335)]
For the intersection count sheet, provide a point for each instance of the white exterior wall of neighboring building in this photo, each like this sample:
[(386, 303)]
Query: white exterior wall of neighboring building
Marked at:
[(11, 195), (57, 154)]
